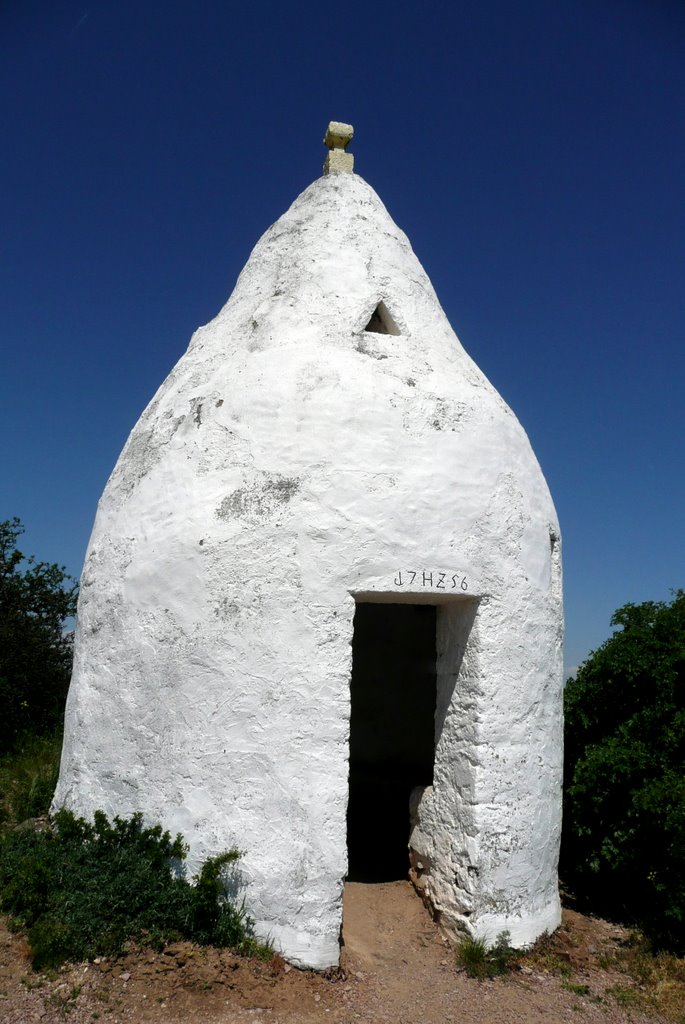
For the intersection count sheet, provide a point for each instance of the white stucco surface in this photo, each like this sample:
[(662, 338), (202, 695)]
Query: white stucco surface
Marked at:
[(289, 464)]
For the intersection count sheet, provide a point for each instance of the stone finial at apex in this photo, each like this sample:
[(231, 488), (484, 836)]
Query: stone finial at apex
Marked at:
[(338, 136)]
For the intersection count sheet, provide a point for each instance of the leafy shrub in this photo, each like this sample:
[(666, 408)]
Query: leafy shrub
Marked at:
[(479, 960), (624, 801), (86, 889), (36, 600)]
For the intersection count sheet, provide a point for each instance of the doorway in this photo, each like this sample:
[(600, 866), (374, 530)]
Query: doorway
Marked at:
[(392, 733)]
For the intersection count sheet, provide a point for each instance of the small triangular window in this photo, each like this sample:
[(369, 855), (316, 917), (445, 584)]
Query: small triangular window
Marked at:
[(381, 322)]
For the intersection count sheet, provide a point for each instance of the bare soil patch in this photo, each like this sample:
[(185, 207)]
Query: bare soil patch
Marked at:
[(396, 968)]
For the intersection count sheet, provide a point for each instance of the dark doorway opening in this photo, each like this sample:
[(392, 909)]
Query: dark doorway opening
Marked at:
[(392, 733)]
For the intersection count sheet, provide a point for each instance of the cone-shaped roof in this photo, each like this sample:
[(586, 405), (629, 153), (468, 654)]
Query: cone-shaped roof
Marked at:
[(332, 317), (324, 440)]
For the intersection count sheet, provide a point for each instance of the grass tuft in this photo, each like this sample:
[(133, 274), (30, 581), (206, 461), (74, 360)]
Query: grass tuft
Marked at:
[(577, 988), (28, 776), (479, 960)]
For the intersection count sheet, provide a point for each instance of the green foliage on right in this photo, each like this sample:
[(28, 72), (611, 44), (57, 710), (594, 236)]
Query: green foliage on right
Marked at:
[(623, 845), (88, 889)]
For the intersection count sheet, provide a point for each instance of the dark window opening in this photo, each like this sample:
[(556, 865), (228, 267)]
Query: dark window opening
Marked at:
[(392, 733), (381, 322)]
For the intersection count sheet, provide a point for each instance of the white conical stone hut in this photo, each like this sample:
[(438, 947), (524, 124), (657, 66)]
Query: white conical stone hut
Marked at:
[(326, 566)]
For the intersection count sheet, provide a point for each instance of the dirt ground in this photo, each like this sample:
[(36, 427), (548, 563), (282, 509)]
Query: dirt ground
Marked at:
[(396, 968)]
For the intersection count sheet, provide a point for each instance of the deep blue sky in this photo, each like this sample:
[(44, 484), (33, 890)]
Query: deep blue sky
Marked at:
[(534, 152)]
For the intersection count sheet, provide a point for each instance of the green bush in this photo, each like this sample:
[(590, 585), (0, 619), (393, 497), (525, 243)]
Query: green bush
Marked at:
[(36, 601), (87, 889), (624, 803)]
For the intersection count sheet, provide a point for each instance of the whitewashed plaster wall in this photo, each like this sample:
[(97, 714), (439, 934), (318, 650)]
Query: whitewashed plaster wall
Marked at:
[(289, 463)]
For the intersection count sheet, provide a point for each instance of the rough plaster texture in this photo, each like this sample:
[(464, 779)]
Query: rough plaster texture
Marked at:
[(290, 464)]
